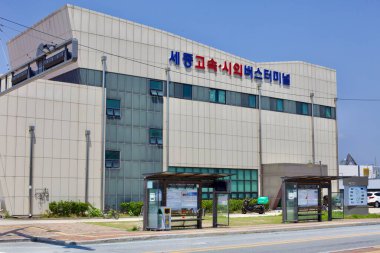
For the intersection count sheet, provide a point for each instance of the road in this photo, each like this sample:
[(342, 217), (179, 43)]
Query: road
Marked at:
[(318, 240)]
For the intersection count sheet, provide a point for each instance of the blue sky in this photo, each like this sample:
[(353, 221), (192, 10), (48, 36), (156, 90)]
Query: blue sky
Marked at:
[(343, 35)]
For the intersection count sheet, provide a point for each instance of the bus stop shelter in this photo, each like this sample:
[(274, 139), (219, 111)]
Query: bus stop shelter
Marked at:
[(302, 198), (181, 193)]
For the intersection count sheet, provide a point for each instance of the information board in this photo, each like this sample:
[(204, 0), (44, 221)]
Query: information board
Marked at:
[(178, 198), (307, 197), (357, 195)]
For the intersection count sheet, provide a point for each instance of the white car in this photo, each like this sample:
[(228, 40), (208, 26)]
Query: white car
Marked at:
[(373, 199)]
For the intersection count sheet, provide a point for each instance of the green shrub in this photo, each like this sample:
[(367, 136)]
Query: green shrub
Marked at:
[(207, 205), (94, 212), (53, 207), (235, 205), (68, 208), (132, 208)]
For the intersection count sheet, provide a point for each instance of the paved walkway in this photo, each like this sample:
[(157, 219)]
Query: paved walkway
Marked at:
[(70, 232)]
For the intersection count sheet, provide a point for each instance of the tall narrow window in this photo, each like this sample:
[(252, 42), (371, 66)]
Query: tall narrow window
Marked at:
[(280, 105), (113, 109), (328, 112), (187, 91), (156, 88), (112, 159), (221, 96), (213, 95), (252, 101), (155, 136)]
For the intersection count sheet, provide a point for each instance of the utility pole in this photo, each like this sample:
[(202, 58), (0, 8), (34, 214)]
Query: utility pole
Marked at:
[(104, 96), (167, 116), (312, 127), (32, 142), (260, 146)]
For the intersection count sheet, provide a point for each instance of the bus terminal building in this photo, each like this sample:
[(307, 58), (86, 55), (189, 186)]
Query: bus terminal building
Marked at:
[(94, 102)]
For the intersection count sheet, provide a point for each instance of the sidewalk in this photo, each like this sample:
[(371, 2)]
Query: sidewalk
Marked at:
[(70, 232)]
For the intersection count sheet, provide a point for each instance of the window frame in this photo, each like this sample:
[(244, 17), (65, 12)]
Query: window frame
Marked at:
[(112, 163), (156, 91), (156, 139), (110, 110), (217, 96)]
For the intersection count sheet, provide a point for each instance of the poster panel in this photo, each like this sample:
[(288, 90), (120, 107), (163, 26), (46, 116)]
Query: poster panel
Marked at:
[(357, 196), (307, 197), (179, 198)]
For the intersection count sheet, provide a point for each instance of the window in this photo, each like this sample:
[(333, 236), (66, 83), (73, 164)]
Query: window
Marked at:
[(317, 111), (325, 112), (112, 160), (213, 95), (303, 108), (265, 103), (252, 101), (290, 106), (280, 105), (156, 88), (178, 90), (328, 112), (187, 91), (113, 109), (243, 181), (184, 91), (218, 96), (155, 136), (276, 104)]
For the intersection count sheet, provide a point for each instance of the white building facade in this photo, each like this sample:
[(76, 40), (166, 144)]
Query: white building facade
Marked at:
[(226, 114)]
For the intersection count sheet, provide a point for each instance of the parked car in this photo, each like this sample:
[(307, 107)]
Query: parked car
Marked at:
[(373, 199)]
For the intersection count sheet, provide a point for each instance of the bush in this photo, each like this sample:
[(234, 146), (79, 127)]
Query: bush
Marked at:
[(234, 205), (68, 208), (132, 208), (207, 205), (94, 212)]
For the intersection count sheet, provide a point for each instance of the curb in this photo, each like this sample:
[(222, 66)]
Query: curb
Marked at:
[(172, 236)]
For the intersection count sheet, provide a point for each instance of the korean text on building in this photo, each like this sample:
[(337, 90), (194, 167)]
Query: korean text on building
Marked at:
[(235, 69)]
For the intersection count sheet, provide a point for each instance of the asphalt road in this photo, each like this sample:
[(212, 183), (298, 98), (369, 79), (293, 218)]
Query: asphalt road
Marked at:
[(318, 240)]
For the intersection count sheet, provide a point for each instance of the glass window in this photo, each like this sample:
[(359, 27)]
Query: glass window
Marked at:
[(265, 103), (328, 112), (280, 105), (112, 159), (317, 111), (221, 96), (243, 184), (187, 91), (290, 106), (303, 108), (248, 186), (113, 109), (156, 88), (325, 111), (252, 101), (213, 95), (218, 96), (155, 136), (178, 90)]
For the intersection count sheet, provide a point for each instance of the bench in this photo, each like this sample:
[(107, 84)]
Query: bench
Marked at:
[(182, 219), (309, 213)]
